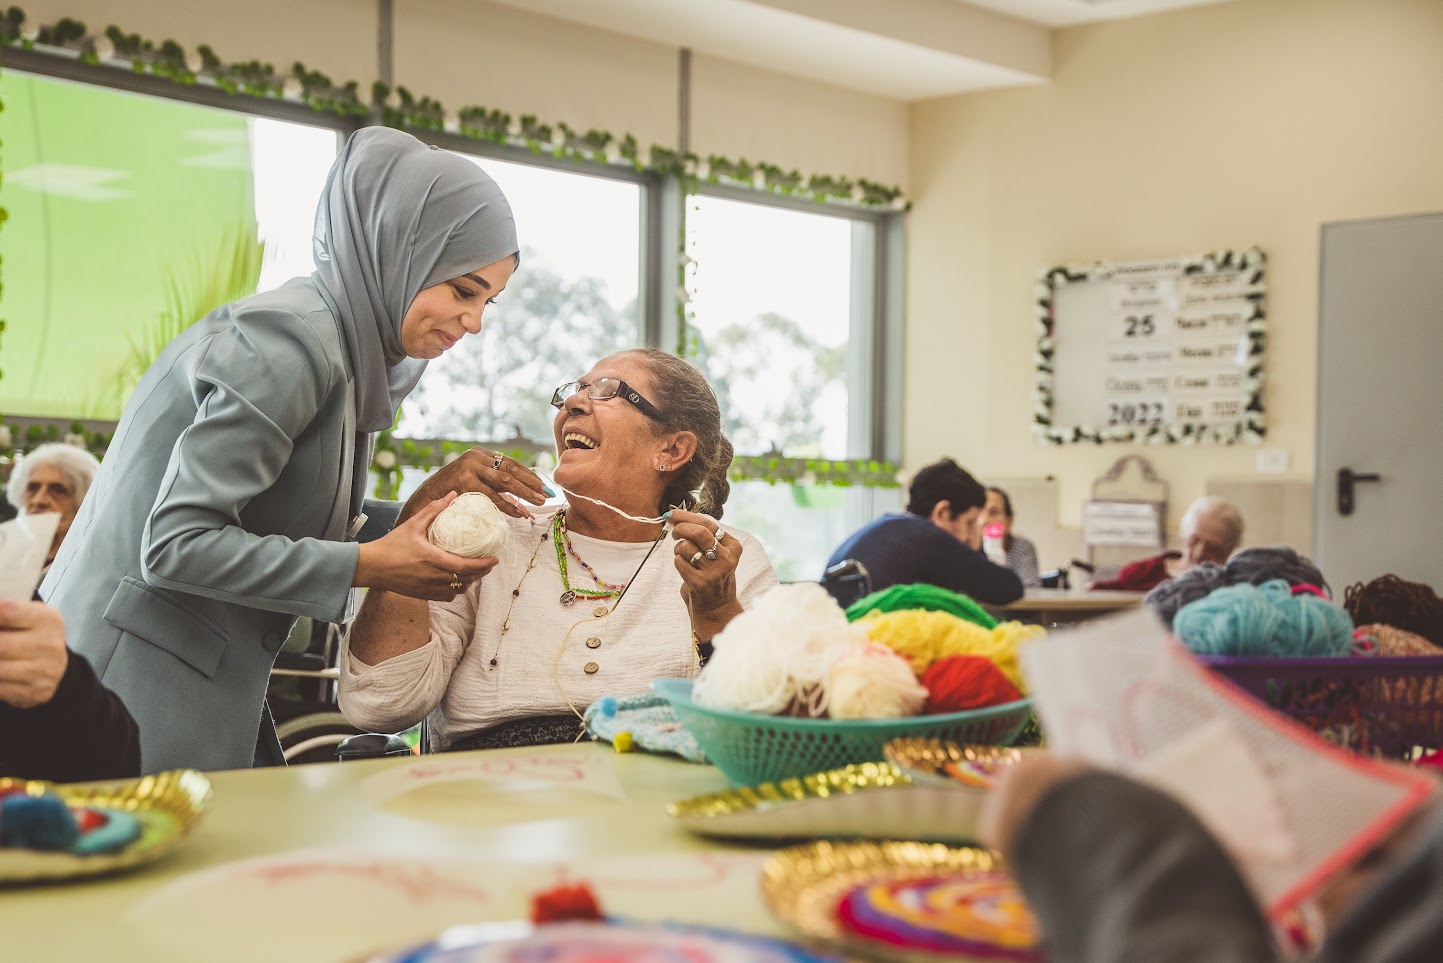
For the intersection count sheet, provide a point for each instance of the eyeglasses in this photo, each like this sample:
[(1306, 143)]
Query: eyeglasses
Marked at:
[(604, 389)]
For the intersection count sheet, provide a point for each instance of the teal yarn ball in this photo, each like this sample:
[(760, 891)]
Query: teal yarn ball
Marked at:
[(1264, 620)]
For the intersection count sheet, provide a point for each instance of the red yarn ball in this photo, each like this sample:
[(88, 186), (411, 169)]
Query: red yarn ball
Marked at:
[(958, 682), (565, 903)]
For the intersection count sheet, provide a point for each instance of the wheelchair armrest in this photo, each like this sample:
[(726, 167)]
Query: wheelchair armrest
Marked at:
[(371, 745)]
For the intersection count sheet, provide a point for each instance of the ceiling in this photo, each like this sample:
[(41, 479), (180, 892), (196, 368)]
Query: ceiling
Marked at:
[(900, 49)]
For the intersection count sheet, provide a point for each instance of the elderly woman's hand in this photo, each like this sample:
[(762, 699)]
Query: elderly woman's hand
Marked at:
[(33, 655), (492, 474), (707, 559)]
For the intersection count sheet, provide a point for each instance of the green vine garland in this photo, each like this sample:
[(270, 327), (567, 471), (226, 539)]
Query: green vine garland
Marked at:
[(399, 107)]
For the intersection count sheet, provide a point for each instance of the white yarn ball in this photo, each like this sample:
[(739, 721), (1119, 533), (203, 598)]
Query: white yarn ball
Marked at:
[(775, 655), (873, 682), (471, 527)]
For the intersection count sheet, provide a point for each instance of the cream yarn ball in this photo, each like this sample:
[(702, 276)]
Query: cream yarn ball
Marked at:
[(471, 526)]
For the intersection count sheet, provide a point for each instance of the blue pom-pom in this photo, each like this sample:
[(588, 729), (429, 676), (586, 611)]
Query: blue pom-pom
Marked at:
[(1265, 620), (37, 822), (606, 705)]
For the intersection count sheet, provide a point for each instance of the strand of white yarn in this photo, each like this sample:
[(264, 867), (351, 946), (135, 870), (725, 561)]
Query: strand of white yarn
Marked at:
[(596, 501)]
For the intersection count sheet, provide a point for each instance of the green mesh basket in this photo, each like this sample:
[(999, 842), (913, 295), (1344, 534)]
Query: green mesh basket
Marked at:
[(751, 748)]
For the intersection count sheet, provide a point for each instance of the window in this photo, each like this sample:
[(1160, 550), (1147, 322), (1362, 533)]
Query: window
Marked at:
[(783, 318), (130, 217), (573, 301)]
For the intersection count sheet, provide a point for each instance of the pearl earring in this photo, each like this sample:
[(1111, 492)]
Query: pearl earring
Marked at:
[(661, 467)]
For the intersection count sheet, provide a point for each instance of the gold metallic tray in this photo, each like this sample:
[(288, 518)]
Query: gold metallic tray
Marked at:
[(167, 805), (929, 759), (804, 884), (873, 800)]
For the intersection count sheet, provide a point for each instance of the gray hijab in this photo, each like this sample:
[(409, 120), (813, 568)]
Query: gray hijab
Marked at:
[(397, 216)]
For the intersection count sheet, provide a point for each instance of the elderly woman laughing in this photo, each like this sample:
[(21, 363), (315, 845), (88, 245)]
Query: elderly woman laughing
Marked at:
[(583, 602)]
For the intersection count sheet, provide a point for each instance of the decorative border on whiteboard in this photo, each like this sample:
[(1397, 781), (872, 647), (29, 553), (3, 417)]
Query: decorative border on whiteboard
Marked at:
[(1250, 429)]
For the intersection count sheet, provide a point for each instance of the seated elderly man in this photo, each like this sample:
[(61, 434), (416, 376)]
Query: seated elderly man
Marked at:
[(52, 478), (581, 603), (1211, 530)]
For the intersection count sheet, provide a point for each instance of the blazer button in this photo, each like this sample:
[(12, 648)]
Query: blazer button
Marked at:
[(593, 643), (590, 668), (272, 641)]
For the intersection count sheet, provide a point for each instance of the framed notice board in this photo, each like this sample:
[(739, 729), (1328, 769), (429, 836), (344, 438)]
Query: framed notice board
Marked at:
[(1164, 351)]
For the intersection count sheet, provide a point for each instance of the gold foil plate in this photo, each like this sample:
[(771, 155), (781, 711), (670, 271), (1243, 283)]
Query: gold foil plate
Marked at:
[(929, 758), (804, 884), (167, 805), (873, 800)]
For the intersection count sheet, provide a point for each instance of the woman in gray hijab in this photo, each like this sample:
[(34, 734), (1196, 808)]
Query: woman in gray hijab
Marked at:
[(225, 504)]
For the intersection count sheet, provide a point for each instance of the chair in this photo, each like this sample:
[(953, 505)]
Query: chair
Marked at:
[(847, 581), (302, 696)]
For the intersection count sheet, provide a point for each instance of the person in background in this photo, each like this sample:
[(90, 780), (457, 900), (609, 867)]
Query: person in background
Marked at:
[(1116, 870), (1211, 530), (57, 721), (53, 478), (936, 541), (1021, 553)]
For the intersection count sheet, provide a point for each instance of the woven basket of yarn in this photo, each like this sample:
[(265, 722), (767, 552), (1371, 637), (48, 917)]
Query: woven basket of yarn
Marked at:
[(752, 748), (1375, 705)]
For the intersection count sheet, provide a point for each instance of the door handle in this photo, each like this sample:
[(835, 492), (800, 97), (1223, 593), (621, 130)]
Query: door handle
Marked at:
[(1347, 478)]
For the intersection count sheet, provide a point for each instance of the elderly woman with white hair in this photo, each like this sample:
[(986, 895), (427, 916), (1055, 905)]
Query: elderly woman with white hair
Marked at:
[(52, 479), (1211, 530)]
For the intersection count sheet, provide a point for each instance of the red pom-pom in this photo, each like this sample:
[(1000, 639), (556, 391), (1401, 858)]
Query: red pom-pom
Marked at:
[(565, 903), (958, 682)]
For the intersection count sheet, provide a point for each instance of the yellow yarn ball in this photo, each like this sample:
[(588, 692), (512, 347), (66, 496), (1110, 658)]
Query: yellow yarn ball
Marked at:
[(623, 741), (922, 637)]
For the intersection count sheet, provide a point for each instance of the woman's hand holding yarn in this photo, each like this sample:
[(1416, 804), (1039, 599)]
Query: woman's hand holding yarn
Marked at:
[(707, 559), (501, 478), (471, 526), (405, 561)]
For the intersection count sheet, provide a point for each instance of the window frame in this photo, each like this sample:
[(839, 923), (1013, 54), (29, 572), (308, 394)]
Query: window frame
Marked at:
[(876, 337), (874, 425)]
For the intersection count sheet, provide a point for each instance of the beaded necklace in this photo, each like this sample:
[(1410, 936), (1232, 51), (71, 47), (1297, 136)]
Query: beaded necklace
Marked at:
[(603, 590), (559, 525)]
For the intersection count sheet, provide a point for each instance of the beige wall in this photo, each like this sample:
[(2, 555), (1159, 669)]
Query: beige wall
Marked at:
[(1223, 126), (474, 52)]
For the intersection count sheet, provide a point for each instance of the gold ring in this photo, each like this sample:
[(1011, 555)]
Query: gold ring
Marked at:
[(456, 582), (696, 559), (496, 461)]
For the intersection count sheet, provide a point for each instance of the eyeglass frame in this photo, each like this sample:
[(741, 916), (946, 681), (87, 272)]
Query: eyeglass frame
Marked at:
[(623, 390)]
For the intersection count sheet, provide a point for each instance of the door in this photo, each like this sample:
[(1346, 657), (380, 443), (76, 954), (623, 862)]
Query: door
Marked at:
[(1380, 400)]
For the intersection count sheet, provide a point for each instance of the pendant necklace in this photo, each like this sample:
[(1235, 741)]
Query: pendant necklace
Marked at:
[(557, 533)]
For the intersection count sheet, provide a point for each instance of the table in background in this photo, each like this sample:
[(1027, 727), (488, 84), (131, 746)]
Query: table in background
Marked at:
[(1062, 606), (441, 854)]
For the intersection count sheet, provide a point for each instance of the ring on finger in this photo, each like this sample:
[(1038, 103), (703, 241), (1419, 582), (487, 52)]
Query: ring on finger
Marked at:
[(496, 461), (456, 582), (696, 559)]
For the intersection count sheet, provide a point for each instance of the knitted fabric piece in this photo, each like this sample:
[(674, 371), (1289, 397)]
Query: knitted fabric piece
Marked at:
[(921, 596), (650, 720)]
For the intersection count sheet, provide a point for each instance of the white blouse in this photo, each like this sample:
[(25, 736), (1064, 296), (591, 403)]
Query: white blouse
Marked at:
[(555, 657)]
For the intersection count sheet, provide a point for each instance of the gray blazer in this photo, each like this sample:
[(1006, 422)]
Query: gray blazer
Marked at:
[(219, 514)]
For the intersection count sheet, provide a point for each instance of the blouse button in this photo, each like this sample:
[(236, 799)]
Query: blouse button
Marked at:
[(590, 668), (593, 643)]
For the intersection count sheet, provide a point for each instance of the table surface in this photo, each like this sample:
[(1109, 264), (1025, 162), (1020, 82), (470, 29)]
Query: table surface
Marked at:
[(328, 862), (1073, 600)]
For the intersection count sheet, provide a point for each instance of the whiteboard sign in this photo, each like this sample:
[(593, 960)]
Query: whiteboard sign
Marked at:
[(1121, 523), (1163, 351)]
